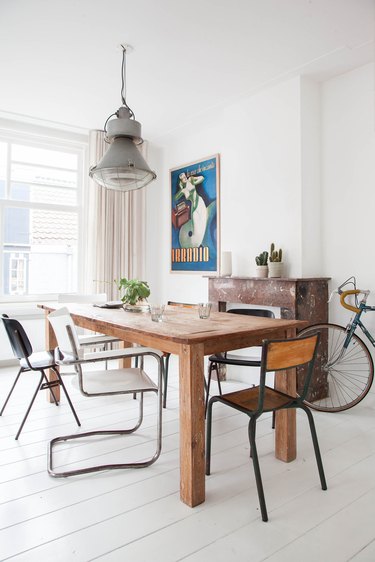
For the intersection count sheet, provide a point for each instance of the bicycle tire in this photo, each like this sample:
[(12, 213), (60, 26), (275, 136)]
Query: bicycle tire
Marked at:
[(349, 378)]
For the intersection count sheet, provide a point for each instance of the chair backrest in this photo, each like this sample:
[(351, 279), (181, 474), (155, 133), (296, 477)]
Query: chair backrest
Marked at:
[(182, 304), (65, 332), (19, 341), (80, 297), (280, 355), (264, 312)]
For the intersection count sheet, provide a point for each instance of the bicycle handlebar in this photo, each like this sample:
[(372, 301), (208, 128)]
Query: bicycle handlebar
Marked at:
[(354, 291), (344, 294)]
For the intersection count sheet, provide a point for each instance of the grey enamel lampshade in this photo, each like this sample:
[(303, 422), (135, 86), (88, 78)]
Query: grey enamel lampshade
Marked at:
[(123, 167)]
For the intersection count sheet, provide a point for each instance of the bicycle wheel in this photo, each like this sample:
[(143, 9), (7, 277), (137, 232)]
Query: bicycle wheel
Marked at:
[(341, 379)]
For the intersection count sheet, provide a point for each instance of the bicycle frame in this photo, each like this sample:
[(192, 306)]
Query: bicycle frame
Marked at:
[(351, 328), (357, 322)]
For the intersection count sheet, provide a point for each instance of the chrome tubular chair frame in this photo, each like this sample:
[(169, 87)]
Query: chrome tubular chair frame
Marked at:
[(144, 385)]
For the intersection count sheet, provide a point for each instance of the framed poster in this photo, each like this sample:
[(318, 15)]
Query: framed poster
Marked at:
[(195, 216)]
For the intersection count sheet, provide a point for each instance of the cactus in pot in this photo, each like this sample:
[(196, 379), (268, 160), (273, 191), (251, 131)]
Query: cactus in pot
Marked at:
[(262, 264), (262, 259), (275, 265), (275, 255)]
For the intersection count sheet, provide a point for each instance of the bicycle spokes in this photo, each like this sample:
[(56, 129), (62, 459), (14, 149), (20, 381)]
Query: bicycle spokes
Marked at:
[(343, 375)]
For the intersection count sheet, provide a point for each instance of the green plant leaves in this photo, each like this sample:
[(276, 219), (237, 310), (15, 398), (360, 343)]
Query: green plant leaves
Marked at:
[(133, 290)]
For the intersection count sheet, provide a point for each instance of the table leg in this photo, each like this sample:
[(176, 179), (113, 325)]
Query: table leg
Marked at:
[(285, 428), (51, 343), (192, 427), (125, 362)]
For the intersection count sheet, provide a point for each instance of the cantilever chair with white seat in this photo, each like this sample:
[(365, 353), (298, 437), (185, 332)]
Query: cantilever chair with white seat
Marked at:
[(104, 383), (90, 340)]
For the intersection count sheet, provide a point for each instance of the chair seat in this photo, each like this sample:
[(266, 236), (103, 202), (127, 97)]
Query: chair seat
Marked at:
[(118, 381), (39, 360), (248, 399), (231, 359)]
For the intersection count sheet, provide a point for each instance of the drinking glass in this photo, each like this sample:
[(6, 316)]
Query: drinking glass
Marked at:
[(204, 309), (157, 311)]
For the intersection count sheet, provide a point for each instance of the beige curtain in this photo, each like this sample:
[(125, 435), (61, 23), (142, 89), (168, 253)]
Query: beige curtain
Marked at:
[(116, 220)]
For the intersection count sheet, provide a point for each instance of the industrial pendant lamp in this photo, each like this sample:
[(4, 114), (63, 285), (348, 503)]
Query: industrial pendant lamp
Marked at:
[(122, 167)]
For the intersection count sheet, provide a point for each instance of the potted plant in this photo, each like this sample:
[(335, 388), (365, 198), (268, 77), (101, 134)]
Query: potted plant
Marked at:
[(275, 268), (262, 267), (134, 295)]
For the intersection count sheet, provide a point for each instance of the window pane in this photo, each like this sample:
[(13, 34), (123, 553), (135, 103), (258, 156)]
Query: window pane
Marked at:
[(40, 251), (3, 168), (35, 155), (43, 194), (43, 175), (43, 184)]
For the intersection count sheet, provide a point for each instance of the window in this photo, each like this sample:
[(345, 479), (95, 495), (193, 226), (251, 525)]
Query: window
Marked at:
[(40, 207)]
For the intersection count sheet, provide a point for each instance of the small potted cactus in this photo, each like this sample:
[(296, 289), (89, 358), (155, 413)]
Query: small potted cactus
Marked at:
[(262, 264), (275, 268)]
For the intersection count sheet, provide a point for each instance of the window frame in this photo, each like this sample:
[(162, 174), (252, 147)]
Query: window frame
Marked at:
[(51, 140)]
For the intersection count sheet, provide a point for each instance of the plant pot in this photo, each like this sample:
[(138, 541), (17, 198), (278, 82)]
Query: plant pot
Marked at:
[(275, 269), (141, 306), (261, 271)]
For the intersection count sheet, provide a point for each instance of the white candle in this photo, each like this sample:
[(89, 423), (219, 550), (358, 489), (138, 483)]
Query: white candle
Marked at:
[(226, 264)]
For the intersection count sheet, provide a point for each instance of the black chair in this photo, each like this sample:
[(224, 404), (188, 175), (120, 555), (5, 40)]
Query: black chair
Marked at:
[(276, 355), (30, 361), (231, 359)]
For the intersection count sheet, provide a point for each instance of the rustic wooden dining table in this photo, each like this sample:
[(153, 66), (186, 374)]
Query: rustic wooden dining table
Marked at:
[(184, 334)]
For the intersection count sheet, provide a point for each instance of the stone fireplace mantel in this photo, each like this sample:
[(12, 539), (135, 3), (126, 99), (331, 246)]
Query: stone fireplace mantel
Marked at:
[(299, 298)]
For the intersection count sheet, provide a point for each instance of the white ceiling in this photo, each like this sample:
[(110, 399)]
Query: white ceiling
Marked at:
[(60, 60)]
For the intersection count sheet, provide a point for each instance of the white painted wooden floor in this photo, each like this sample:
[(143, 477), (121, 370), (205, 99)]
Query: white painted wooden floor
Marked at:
[(136, 515)]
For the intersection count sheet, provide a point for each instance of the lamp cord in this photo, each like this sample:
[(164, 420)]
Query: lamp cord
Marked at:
[(123, 83), (123, 94)]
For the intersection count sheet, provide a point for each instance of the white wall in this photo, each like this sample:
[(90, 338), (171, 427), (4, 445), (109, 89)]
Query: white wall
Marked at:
[(311, 239), (348, 182), (297, 168), (259, 141)]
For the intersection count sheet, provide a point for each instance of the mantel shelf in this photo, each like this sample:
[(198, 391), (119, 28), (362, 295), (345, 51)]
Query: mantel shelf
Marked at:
[(304, 298)]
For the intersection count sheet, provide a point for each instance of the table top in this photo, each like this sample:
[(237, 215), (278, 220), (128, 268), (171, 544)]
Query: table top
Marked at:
[(179, 326)]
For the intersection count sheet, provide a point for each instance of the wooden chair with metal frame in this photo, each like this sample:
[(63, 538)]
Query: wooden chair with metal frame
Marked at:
[(232, 359), (104, 383), (276, 355), (32, 362)]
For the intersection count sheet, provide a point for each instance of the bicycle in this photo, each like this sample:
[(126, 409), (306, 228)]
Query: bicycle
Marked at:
[(344, 367)]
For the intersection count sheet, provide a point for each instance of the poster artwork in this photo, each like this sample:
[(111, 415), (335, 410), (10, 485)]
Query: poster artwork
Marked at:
[(194, 216)]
